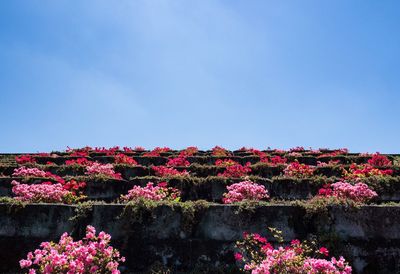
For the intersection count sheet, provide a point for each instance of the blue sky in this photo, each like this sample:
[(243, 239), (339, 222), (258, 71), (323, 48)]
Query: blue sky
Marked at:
[(208, 72)]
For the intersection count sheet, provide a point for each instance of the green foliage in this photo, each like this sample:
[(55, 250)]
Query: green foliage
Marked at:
[(13, 205)]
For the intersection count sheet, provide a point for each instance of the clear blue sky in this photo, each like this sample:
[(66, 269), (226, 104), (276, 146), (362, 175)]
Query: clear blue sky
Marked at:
[(207, 72)]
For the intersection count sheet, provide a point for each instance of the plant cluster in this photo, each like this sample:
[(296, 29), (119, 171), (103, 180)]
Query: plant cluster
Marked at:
[(92, 254), (359, 192), (365, 170), (25, 159), (45, 192), (79, 161), (236, 170), (156, 152), (220, 152), (121, 158), (379, 160), (245, 191), (107, 170), (259, 256), (298, 170), (163, 171), (178, 161), (159, 192)]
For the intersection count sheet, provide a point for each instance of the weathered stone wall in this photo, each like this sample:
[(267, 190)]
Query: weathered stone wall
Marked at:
[(368, 236)]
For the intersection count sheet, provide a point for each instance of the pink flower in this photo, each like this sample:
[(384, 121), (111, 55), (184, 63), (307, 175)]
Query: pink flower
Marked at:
[(96, 168), (89, 255), (238, 256), (151, 192), (324, 251), (245, 190)]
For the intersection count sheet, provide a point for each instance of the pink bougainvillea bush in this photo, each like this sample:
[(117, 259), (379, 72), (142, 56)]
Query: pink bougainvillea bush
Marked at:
[(164, 171), (92, 254), (29, 172), (24, 171), (259, 256), (96, 168), (359, 192), (245, 190), (159, 192), (42, 193), (298, 170)]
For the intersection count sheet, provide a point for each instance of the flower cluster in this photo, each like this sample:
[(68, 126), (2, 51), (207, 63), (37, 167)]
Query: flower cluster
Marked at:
[(29, 172), (189, 151), (298, 170), (274, 160), (92, 254), (361, 171), (245, 190), (160, 192), (220, 151), (35, 172), (261, 257), (164, 171), (96, 168), (379, 160), (236, 170), (74, 186), (225, 162), (121, 158), (42, 193), (359, 192), (330, 163), (80, 152), (79, 161), (25, 159), (178, 161), (156, 152)]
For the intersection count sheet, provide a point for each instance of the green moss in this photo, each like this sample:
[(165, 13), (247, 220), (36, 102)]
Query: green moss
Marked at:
[(82, 211), (13, 205)]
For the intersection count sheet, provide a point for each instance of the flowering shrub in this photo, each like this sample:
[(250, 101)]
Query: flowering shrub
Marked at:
[(25, 159), (225, 163), (108, 151), (245, 190), (80, 152), (93, 254), (236, 171), (96, 168), (42, 193), (179, 161), (261, 257), (361, 171), (330, 163), (379, 160), (297, 149), (274, 160), (29, 172), (74, 186), (359, 192), (164, 171), (79, 161), (160, 192), (121, 158), (220, 151), (156, 152), (189, 151), (298, 170)]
